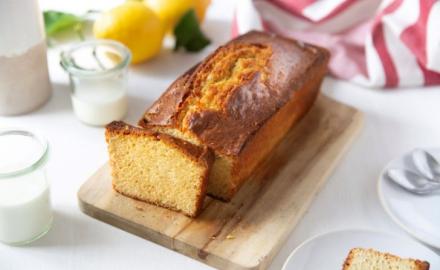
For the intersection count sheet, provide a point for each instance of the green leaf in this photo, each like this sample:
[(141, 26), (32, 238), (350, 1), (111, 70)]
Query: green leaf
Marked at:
[(56, 21), (188, 34)]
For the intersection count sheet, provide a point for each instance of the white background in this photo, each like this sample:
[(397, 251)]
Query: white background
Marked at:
[(395, 121)]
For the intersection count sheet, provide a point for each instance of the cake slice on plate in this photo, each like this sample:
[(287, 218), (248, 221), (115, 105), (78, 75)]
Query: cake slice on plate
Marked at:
[(369, 259), (158, 168)]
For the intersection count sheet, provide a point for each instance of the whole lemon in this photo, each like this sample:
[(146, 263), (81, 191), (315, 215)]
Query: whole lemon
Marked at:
[(136, 26), (170, 11)]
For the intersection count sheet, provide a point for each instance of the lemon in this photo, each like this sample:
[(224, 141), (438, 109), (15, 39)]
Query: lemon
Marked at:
[(136, 26), (170, 11), (200, 7)]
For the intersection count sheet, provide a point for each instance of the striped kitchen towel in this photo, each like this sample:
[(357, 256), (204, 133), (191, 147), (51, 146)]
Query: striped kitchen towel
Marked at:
[(375, 43)]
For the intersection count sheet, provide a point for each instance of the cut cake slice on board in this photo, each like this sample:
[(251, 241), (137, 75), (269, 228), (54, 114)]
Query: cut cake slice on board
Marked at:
[(158, 168)]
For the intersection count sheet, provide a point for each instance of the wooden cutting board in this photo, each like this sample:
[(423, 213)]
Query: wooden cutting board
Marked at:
[(247, 232)]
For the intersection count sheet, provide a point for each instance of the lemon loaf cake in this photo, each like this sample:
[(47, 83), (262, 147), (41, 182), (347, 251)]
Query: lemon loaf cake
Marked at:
[(369, 259), (241, 101), (158, 168)]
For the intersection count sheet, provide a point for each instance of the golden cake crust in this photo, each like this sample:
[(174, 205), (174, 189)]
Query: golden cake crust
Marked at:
[(419, 265), (244, 82)]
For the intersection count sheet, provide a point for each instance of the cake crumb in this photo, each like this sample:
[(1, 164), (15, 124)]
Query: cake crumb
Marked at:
[(230, 236), (212, 237)]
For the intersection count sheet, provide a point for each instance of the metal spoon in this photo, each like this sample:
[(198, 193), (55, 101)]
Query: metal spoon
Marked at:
[(426, 164), (412, 181)]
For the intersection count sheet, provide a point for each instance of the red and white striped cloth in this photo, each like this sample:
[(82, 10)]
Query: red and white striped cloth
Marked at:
[(375, 43)]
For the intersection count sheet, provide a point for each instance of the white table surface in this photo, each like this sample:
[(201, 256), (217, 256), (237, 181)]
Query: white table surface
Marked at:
[(395, 121)]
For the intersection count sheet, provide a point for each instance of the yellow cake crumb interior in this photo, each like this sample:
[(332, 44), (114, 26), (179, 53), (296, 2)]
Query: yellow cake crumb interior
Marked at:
[(220, 173), (164, 176), (367, 259)]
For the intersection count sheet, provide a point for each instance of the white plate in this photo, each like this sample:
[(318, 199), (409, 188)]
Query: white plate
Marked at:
[(418, 215), (328, 251)]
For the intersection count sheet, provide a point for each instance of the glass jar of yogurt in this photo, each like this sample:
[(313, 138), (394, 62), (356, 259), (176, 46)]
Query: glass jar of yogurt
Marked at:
[(98, 80), (25, 212)]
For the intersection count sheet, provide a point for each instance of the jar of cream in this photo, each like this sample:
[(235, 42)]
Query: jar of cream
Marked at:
[(98, 80), (25, 212)]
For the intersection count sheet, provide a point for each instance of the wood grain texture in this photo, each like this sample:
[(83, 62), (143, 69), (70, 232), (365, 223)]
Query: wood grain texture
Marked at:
[(247, 232)]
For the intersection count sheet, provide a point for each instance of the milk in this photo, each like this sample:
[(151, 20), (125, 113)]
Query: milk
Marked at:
[(25, 211), (98, 78), (99, 103)]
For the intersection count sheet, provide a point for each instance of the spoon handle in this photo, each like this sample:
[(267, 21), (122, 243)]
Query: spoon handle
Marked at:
[(426, 165), (411, 181)]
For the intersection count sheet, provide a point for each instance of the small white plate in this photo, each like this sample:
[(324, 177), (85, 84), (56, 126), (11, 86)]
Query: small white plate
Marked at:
[(418, 215), (328, 251)]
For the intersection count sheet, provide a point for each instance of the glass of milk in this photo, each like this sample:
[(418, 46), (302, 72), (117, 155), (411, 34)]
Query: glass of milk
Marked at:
[(98, 80), (25, 211)]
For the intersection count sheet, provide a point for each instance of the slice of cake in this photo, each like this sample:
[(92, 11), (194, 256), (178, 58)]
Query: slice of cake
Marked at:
[(158, 168), (369, 259)]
